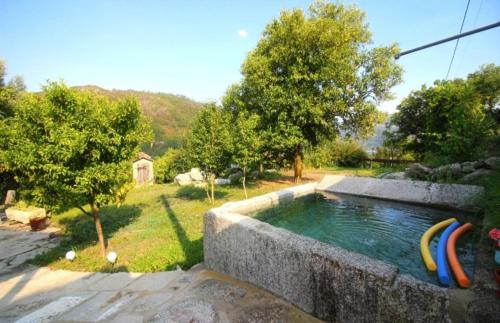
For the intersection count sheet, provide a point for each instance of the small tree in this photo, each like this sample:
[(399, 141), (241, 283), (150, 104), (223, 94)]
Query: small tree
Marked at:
[(209, 142), (74, 148), (246, 143)]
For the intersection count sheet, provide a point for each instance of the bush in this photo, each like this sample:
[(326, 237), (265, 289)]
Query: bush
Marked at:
[(173, 162), (348, 153), (340, 152)]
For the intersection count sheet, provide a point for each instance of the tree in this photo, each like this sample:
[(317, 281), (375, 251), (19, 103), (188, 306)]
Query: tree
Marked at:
[(73, 148), (486, 83), (446, 122), (173, 162), (208, 144), (246, 143), (313, 75), (9, 92)]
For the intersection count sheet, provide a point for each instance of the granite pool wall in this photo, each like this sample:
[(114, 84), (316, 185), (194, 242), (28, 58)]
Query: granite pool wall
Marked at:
[(327, 281)]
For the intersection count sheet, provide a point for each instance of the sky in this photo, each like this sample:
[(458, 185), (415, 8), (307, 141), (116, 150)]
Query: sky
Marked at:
[(196, 48)]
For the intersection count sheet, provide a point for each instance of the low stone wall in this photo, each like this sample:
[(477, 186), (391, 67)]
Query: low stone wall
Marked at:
[(454, 196), (331, 283)]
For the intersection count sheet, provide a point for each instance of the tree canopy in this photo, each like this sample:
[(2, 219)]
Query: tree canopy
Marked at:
[(312, 75), (209, 143), (451, 120), (73, 148)]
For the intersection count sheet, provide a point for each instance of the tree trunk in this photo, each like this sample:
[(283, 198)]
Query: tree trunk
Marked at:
[(297, 164), (212, 180), (244, 178), (98, 228)]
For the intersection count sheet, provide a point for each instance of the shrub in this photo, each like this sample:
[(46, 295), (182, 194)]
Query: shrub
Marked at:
[(173, 162), (348, 153)]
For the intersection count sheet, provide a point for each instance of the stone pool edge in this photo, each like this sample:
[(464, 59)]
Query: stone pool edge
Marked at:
[(330, 282)]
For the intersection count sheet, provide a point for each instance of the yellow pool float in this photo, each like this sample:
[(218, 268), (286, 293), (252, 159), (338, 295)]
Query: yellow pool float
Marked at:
[(424, 242)]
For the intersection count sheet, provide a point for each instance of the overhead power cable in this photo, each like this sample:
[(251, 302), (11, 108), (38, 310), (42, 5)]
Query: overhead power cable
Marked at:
[(467, 33), (458, 39)]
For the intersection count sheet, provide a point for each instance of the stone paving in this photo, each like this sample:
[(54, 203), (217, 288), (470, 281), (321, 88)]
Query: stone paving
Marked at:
[(198, 295), (18, 244)]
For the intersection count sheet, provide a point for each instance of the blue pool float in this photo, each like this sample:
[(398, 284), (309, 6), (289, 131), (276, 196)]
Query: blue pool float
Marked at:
[(442, 262)]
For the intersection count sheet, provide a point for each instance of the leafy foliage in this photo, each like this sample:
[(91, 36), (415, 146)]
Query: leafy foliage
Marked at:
[(339, 152), (8, 95), (209, 143), (451, 120), (246, 143), (73, 148), (173, 162), (312, 75), (169, 115)]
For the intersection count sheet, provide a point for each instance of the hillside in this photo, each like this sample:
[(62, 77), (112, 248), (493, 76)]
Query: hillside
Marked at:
[(169, 114)]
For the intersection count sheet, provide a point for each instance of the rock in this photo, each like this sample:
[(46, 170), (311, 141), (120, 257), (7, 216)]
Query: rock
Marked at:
[(485, 309), (222, 181), (492, 163), (10, 198), (183, 179), (396, 175), (476, 175), (418, 171), (212, 289), (467, 167), (479, 164), (446, 171), (264, 313), (235, 178), (188, 310), (254, 175), (196, 175), (24, 216)]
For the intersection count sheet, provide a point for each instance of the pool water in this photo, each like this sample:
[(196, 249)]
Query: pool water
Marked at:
[(383, 230)]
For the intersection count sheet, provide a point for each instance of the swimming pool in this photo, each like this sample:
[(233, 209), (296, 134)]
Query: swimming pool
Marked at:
[(383, 230)]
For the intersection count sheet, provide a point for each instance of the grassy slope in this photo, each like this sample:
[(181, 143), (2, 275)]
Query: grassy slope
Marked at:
[(157, 228), (170, 115)]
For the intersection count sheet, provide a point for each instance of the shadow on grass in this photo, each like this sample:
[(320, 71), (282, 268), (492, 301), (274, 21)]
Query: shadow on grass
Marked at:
[(80, 231), (197, 193), (192, 249)]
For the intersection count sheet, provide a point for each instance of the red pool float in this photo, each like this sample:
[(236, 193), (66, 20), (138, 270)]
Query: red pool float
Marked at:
[(455, 266)]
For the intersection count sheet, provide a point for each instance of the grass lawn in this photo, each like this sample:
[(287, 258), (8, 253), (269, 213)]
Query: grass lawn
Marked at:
[(157, 228)]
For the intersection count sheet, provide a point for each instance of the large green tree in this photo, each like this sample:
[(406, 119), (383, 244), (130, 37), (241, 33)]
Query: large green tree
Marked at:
[(313, 75), (209, 143), (73, 148), (445, 122)]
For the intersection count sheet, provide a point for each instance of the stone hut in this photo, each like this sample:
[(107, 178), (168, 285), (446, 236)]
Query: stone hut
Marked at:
[(143, 169)]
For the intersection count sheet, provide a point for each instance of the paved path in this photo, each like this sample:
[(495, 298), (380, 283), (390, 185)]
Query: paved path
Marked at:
[(18, 244), (198, 295)]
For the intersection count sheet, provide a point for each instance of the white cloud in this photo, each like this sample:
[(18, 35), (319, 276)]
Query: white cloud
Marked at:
[(242, 33)]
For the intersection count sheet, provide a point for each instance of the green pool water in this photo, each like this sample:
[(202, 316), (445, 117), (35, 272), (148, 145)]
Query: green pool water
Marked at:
[(384, 230)]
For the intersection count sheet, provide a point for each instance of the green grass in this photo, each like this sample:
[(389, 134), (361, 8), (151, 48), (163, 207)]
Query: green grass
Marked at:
[(157, 228)]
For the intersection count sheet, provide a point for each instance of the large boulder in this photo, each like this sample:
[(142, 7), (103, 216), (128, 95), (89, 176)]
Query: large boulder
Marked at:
[(479, 164), (492, 163), (235, 178), (222, 181), (418, 171), (254, 175), (467, 167), (25, 215), (183, 179), (196, 175), (447, 171), (472, 177)]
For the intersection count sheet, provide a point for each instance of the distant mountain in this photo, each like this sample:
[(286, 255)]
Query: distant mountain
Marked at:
[(169, 114)]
